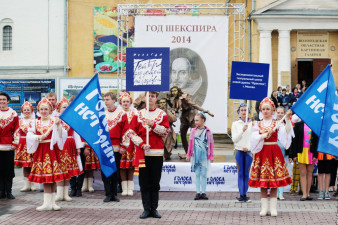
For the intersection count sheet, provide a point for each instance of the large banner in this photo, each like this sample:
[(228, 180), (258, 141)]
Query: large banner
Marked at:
[(31, 90), (106, 40), (177, 176), (198, 58)]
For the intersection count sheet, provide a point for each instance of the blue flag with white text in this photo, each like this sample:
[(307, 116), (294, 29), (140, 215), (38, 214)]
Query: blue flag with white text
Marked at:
[(86, 116), (318, 108)]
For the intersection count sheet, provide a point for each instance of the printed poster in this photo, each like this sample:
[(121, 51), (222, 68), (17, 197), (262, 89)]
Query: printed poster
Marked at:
[(198, 58)]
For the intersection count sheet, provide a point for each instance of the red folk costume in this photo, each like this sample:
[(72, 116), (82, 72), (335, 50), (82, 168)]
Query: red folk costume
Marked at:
[(47, 164), (138, 132), (128, 157), (9, 125), (269, 168), (69, 153), (22, 158), (116, 120), (92, 161)]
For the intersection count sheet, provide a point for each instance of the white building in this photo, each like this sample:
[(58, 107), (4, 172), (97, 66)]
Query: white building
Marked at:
[(33, 38)]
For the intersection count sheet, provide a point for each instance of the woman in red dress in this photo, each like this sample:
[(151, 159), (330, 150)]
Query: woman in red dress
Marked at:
[(45, 138), (269, 168), (126, 165), (22, 158), (71, 150)]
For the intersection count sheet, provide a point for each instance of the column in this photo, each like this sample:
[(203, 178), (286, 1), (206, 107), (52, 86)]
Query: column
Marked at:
[(284, 54), (265, 53)]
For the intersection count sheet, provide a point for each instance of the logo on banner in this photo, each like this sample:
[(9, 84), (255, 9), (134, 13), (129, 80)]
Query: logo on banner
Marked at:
[(230, 169), (215, 180), (182, 180), (168, 168)]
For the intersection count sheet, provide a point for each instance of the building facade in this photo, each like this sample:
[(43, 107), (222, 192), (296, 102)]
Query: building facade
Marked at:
[(33, 39)]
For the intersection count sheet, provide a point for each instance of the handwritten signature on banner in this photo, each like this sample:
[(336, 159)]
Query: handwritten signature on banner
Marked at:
[(147, 71)]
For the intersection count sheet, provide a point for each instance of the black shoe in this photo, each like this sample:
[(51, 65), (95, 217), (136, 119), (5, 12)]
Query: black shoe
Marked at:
[(309, 198), (204, 196), (107, 199), (240, 199), (10, 196), (78, 193), (145, 214), (2, 194), (119, 189), (155, 214), (114, 199), (197, 197), (72, 193)]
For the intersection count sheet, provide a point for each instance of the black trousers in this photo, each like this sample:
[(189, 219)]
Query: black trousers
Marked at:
[(6, 171), (149, 180), (110, 183), (77, 181), (6, 165)]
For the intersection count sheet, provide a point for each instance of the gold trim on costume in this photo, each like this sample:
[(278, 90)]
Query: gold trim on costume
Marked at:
[(270, 143)]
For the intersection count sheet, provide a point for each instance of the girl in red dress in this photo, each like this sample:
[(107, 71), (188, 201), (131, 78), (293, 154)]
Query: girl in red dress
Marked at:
[(71, 150), (269, 168), (92, 163), (22, 158), (126, 165), (45, 138)]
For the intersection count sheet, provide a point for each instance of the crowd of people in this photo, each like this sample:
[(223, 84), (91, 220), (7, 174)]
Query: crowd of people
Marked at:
[(273, 140), (53, 155)]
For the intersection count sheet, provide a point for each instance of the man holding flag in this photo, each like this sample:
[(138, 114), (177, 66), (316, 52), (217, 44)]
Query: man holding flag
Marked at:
[(318, 108), (150, 161)]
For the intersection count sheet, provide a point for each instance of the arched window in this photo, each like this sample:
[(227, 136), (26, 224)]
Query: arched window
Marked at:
[(7, 38)]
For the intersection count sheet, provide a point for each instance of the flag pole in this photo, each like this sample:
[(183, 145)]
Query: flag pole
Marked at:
[(247, 112), (147, 105)]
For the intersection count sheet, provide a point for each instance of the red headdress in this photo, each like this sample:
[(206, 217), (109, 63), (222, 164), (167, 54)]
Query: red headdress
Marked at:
[(267, 101), (60, 103), (123, 96), (27, 104), (45, 101)]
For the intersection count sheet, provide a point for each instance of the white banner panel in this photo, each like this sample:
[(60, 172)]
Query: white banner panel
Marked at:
[(177, 176), (198, 58)]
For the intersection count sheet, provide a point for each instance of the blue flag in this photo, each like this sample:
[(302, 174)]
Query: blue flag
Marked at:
[(86, 116), (328, 141), (318, 108)]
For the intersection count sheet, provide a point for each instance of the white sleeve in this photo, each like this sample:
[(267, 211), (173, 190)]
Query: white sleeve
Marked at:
[(31, 139), (236, 132), (256, 140), (59, 137), (78, 141), (285, 134)]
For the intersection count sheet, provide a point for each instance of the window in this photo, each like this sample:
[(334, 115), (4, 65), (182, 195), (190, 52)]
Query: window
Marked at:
[(7, 38)]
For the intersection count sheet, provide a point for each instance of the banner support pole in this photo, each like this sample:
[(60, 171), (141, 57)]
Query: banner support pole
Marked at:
[(147, 105)]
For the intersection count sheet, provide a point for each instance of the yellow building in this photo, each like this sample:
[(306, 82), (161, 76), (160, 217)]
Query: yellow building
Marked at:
[(298, 38)]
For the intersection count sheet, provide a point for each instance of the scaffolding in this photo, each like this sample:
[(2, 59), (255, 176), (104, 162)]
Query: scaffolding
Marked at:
[(235, 12)]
